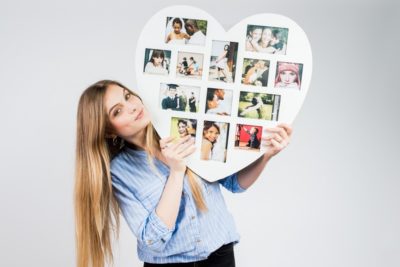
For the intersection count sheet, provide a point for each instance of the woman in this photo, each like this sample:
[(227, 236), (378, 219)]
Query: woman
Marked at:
[(211, 132), (288, 76), (156, 63), (177, 36), (175, 215), (222, 64)]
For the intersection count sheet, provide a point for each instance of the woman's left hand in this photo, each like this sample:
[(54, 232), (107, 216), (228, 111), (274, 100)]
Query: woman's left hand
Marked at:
[(277, 139)]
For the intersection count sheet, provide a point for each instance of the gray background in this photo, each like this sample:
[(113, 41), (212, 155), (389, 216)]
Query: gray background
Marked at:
[(330, 199)]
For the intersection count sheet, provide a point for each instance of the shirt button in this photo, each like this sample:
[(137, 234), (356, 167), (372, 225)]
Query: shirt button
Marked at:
[(149, 242), (192, 217), (198, 240)]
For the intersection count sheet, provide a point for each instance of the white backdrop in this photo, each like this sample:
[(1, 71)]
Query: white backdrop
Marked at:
[(332, 198)]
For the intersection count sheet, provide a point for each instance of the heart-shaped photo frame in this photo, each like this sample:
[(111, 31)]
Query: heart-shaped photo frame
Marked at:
[(222, 87)]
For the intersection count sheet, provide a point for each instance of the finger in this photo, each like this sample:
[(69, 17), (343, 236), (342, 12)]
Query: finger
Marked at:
[(275, 136), (166, 140), (276, 144), (180, 141), (184, 146), (288, 128), (188, 151)]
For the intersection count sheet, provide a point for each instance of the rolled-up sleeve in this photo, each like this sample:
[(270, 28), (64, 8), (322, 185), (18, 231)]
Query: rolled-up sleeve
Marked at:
[(231, 183), (148, 228)]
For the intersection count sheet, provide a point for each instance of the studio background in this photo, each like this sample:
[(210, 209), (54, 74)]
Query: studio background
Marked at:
[(332, 198)]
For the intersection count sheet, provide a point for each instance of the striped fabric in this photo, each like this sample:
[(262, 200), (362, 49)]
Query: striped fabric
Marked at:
[(195, 235)]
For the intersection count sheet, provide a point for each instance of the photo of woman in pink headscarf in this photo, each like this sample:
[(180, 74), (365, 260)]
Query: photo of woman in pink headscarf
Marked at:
[(288, 75)]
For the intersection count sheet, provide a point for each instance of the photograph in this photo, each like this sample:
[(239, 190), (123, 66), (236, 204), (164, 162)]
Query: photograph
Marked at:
[(259, 106), (182, 31), (288, 75), (223, 61), (179, 97), (181, 127), (189, 65), (266, 39), (219, 101), (248, 137), (215, 141), (157, 61), (255, 72)]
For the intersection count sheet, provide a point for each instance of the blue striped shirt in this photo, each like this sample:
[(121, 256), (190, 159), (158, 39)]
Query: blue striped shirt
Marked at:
[(195, 234)]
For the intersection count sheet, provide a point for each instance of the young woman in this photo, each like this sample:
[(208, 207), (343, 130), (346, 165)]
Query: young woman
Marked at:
[(222, 64), (156, 64), (287, 76), (177, 36), (123, 165)]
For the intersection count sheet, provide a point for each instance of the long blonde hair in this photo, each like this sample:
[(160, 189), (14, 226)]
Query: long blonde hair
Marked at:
[(96, 209)]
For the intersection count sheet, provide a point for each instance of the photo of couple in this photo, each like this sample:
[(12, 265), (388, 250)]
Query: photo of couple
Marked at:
[(248, 137), (288, 75), (181, 127), (215, 141), (185, 31), (189, 65), (157, 61), (259, 106), (223, 61), (255, 72), (219, 101), (179, 97), (265, 39)]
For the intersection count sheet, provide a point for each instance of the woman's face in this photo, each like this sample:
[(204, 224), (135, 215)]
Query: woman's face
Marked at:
[(182, 129), (256, 34), (288, 76), (266, 36), (211, 134), (177, 28), (126, 112), (157, 61)]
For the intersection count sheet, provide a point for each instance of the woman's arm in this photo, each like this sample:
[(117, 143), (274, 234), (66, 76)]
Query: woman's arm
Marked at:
[(205, 149), (223, 55), (276, 140), (168, 206)]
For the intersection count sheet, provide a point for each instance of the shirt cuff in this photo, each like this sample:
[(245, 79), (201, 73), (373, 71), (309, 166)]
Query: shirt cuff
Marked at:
[(236, 188), (158, 230)]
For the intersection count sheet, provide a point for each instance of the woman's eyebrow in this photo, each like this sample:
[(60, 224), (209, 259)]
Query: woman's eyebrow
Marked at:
[(123, 93)]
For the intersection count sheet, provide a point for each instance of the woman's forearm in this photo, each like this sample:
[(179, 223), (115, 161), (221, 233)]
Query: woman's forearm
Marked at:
[(168, 206), (248, 175)]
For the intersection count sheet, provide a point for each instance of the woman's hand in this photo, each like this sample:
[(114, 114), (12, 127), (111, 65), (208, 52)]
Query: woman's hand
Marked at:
[(174, 152), (277, 139)]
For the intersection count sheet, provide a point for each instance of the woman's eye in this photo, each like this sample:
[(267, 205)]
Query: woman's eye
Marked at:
[(117, 111), (127, 96)]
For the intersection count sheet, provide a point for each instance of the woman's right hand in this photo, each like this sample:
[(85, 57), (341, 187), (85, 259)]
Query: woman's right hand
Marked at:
[(175, 152)]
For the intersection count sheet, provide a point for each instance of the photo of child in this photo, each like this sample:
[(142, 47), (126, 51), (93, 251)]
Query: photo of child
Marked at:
[(189, 65), (179, 97), (266, 39), (255, 72), (259, 106), (157, 61), (181, 127), (288, 75), (223, 61), (215, 141), (183, 31), (248, 137)]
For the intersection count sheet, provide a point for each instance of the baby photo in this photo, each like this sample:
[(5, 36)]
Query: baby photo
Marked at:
[(181, 127), (157, 61), (215, 141), (288, 75), (189, 65), (266, 39), (183, 31), (259, 106), (219, 101), (223, 61), (248, 137), (255, 72), (179, 97)]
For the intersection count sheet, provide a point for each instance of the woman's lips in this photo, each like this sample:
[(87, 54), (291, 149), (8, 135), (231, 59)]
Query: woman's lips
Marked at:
[(139, 116)]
